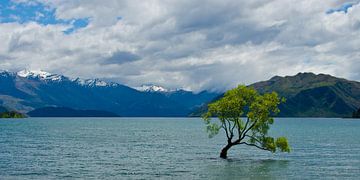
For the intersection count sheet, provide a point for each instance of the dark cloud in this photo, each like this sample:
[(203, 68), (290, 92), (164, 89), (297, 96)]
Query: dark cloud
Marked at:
[(121, 57), (17, 44)]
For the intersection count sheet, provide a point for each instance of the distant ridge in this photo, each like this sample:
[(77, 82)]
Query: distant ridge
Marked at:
[(68, 112), (311, 95)]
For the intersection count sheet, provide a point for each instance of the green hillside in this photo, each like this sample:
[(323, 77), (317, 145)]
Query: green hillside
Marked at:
[(311, 95)]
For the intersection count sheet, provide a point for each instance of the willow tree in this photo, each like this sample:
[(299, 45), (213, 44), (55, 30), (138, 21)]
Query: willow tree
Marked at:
[(245, 116)]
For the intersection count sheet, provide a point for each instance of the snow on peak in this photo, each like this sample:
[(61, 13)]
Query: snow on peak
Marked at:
[(93, 82), (152, 88), (43, 75), (39, 74)]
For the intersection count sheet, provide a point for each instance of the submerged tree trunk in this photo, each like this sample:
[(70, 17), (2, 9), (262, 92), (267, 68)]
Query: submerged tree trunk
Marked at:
[(223, 153)]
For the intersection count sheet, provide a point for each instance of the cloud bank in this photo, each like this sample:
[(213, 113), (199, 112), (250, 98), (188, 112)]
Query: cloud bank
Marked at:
[(197, 45)]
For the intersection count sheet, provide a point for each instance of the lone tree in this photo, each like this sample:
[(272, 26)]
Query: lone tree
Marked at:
[(256, 110)]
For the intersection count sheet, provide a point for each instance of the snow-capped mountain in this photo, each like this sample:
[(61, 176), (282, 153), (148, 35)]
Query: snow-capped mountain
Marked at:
[(40, 74), (93, 82), (159, 89), (27, 90), (43, 75), (152, 88)]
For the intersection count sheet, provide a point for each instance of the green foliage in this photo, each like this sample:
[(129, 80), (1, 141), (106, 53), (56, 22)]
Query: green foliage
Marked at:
[(11, 114), (269, 144), (246, 116), (282, 144), (212, 129)]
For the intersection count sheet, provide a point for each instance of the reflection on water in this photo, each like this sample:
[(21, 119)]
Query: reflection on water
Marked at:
[(171, 148), (234, 168)]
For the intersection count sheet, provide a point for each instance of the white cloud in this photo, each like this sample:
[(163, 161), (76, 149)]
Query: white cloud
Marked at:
[(208, 44)]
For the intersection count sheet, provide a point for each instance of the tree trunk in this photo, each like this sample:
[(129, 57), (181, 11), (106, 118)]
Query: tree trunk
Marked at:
[(223, 153)]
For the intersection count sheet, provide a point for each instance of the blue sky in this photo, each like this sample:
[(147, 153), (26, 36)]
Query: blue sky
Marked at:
[(205, 44), (36, 12), (343, 8)]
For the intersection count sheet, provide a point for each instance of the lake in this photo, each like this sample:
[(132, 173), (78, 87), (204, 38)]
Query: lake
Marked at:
[(171, 148)]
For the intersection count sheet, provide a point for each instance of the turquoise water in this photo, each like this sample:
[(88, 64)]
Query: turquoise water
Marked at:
[(171, 148)]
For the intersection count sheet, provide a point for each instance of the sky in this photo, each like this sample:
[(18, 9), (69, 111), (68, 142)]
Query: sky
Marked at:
[(197, 45)]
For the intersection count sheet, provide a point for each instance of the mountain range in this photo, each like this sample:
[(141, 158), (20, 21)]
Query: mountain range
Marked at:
[(26, 91), (310, 95), (39, 93)]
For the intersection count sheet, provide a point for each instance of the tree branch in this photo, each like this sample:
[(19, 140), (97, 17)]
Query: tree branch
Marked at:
[(255, 146), (238, 128), (226, 131), (253, 138), (231, 129), (244, 134), (246, 124), (233, 126)]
